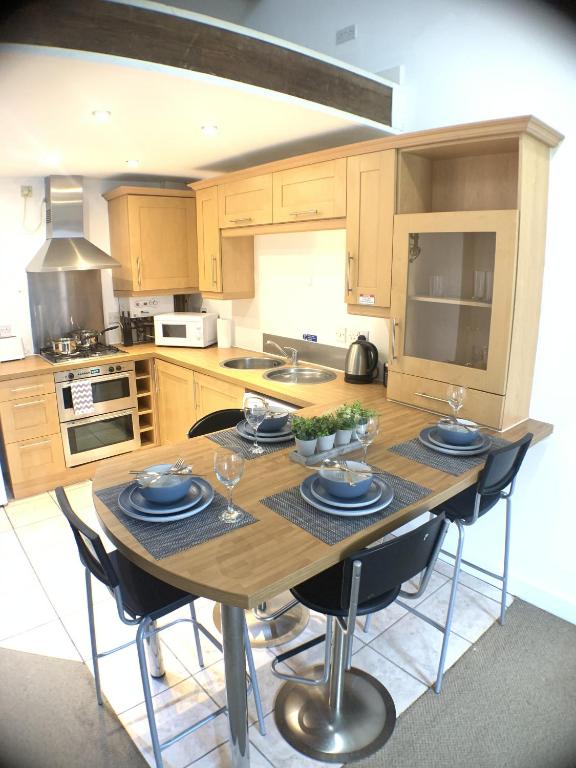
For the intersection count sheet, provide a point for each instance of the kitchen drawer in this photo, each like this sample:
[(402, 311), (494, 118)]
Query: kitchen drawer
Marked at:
[(316, 191), (29, 460), (26, 387), (28, 418), (483, 407), (245, 203)]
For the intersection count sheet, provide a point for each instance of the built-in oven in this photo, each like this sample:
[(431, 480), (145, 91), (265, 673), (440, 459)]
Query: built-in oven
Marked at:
[(98, 412)]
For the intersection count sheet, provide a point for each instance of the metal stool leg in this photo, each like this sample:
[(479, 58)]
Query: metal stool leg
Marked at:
[(367, 622), (144, 628), (452, 603), (92, 626), (506, 557), (254, 679), (196, 635), (154, 651)]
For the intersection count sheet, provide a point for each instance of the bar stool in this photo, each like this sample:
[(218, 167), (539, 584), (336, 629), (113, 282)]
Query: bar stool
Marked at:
[(141, 599), (269, 624), (341, 713)]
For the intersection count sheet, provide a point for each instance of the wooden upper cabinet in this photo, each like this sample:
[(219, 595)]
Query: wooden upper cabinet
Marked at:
[(209, 263), (370, 220), (245, 203), (316, 191), (153, 236)]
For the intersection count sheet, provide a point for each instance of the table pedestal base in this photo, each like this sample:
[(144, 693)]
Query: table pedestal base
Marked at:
[(363, 724), (267, 634)]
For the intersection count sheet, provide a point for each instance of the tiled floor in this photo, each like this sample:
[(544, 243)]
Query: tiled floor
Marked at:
[(43, 598)]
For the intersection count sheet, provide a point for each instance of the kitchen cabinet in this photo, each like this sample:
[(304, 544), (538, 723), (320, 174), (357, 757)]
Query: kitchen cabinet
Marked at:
[(225, 265), (467, 271), (246, 202), (29, 417), (308, 192), (176, 401), (213, 394), (153, 236), (370, 180)]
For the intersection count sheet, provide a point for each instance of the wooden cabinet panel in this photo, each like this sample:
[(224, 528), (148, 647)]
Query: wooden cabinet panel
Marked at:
[(176, 401), (213, 395), (29, 460), (26, 387), (316, 191), (246, 202), (209, 266), (370, 220), (28, 418)]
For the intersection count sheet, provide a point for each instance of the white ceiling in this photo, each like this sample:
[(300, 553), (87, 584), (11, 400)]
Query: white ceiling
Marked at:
[(46, 126)]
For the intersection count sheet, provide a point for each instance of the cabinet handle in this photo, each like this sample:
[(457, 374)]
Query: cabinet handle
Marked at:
[(431, 397), (29, 405), (24, 389), (28, 446), (239, 221), (213, 270), (139, 273), (394, 326), (309, 212), (348, 281)]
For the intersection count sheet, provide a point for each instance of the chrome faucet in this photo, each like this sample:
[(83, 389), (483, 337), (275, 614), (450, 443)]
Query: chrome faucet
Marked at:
[(289, 353)]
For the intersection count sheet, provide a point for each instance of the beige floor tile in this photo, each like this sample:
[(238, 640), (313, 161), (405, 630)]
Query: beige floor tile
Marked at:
[(222, 758), (473, 582), (177, 708), (436, 581), (32, 510), (110, 631), (277, 750), (379, 622), (50, 639), (180, 638), (5, 524)]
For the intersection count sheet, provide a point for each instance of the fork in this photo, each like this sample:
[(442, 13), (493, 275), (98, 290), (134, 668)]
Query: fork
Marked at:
[(175, 469)]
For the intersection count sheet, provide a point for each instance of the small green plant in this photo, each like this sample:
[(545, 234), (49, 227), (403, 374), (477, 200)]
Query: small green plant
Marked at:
[(304, 428), (345, 417), (325, 425)]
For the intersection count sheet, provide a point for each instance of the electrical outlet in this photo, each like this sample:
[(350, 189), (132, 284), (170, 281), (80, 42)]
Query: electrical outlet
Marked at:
[(340, 335), (25, 191), (346, 33), (353, 333)]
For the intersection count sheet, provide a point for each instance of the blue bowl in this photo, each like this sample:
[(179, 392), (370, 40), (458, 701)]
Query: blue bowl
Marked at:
[(275, 421), (457, 434), (168, 489), (337, 483)]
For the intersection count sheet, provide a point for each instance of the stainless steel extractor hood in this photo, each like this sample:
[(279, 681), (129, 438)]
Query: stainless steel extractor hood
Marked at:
[(66, 248)]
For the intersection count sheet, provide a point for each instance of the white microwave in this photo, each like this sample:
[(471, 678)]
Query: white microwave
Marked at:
[(185, 329)]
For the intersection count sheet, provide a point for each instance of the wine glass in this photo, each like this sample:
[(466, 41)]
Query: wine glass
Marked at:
[(367, 428), (456, 397), (229, 468), (255, 411)]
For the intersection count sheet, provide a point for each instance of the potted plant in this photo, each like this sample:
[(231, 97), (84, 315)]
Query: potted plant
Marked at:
[(304, 430), (361, 415), (326, 431), (345, 423)]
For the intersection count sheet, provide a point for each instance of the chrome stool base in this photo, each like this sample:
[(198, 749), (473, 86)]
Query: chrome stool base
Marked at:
[(364, 723), (267, 634)]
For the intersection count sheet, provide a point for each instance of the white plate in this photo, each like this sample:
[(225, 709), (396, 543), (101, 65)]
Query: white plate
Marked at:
[(271, 437), (319, 492), (207, 496), (424, 439), (382, 503)]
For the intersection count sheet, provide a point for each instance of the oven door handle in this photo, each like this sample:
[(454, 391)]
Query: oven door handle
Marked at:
[(95, 379), (99, 417)]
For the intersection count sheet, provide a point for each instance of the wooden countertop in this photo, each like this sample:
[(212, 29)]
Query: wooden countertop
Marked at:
[(250, 565), (208, 361)]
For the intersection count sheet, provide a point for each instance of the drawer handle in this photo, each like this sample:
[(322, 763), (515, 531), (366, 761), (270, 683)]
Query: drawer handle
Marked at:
[(431, 397), (24, 389), (34, 445), (309, 212), (394, 326), (29, 405), (239, 221)]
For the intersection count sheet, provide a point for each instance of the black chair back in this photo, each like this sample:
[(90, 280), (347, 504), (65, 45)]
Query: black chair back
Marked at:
[(388, 565), (90, 547), (227, 417), (502, 466)]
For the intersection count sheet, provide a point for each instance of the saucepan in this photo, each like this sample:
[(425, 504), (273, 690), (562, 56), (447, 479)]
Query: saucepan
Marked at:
[(66, 345), (88, 338)]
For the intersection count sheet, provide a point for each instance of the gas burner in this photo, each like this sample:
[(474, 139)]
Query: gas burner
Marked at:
[(97, 350)]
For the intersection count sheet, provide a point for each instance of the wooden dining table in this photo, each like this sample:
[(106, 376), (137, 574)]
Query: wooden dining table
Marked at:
[(248, 566)]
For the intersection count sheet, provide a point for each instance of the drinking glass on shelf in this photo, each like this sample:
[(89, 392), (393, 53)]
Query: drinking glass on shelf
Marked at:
[(255, 411), (366, 431), (229, 468), (456, 397)]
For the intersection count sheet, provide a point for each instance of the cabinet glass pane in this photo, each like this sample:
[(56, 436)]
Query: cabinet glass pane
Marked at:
[(449, 299)]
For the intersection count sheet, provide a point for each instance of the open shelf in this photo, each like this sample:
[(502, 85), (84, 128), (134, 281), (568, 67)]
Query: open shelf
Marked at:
[(146, 406), (447, 300)]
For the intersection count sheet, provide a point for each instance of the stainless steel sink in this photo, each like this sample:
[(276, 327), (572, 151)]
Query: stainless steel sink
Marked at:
[(299, 375), (251, 363)]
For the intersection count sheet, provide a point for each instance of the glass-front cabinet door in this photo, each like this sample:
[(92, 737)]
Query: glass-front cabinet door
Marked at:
[(452, 297)]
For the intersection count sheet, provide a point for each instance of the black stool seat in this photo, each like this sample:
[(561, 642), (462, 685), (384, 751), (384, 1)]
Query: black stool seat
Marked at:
[(143, 594), (461, 506), (323, 593), (212, 422)]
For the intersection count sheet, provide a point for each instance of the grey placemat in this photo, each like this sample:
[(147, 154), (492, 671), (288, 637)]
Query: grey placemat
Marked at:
[(230, 439), (331, 529), (165, 539), (452, 465)]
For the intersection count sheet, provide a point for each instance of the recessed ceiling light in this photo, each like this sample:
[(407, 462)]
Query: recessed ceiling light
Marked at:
[(209, 130), (132, 163), (101, 115)]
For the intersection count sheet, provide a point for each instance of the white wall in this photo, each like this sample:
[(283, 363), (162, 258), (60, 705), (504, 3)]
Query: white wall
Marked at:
[(463, 62)]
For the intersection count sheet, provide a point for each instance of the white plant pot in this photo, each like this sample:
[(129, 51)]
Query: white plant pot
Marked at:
[(306, 447), (343, 436), (326, 442)]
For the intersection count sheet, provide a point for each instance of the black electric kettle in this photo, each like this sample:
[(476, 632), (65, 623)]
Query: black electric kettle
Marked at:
[(361, 362)]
